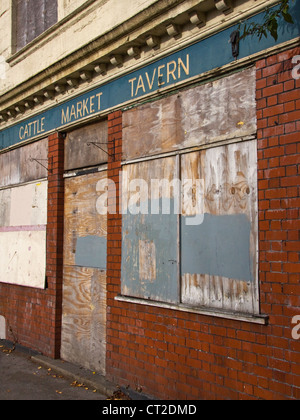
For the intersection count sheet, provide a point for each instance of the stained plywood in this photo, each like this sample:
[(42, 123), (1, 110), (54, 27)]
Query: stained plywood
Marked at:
[(150, 231), (79, 150), (84, 320), (16, 166), (23, 219), (217, 111), (32, 199), (23, 258), (82, 218), (84, 282), (219, 255)]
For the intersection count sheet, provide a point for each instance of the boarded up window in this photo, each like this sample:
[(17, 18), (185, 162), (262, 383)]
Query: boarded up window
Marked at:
[(84, 284), (219, 251), (190, 229), (23, 235), (32, 18), (150, 231), (199, 245)]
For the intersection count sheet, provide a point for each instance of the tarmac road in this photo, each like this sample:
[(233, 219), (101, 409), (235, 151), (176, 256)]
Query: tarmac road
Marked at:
[(23, 379)]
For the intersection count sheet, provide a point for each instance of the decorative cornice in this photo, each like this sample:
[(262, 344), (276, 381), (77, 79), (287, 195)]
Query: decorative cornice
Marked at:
[(145, 37)]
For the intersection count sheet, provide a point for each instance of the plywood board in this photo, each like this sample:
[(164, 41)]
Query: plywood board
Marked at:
[(84, 282), (16, 166), (83, 146), (84, 317), (28, 205), (217, 111), (219, 255), (5, 200), (150, 231), (23, 219), (23, 257)]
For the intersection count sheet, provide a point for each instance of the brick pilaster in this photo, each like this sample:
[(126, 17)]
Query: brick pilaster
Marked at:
[(55, 224), (114, 232)]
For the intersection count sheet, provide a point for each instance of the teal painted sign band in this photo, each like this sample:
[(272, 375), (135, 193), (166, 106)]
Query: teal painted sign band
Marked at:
[(181, 66)]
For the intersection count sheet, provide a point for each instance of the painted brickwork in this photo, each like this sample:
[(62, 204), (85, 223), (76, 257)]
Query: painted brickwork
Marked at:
[(177, 355)]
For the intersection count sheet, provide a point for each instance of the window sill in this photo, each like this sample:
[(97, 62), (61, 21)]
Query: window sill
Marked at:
[(254, 319)]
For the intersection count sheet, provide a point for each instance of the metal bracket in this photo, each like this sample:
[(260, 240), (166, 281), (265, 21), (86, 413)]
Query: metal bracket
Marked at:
[(39, 161), (235, 43), (96, 144)]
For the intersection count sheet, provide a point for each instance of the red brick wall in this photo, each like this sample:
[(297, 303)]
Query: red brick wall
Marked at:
[(33, 316), (176, 355), (55, 234)]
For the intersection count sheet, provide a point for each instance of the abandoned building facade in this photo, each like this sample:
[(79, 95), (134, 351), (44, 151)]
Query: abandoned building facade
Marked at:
[(149, 193)]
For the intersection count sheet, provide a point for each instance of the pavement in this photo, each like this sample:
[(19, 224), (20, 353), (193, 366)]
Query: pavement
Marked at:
[(27, 376)]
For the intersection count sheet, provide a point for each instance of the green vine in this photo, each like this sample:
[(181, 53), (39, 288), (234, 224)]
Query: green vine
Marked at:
[(270, 23)]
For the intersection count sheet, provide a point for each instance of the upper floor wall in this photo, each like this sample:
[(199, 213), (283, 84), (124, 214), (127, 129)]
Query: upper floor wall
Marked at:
[(95, 42), (78, 23)]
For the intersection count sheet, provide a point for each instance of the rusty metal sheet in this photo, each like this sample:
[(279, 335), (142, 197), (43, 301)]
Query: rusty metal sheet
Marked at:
[(150, 231), (219, 254), (216, 111), (84, 282)]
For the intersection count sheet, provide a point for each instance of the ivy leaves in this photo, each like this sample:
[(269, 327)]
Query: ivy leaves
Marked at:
[(270, 23)]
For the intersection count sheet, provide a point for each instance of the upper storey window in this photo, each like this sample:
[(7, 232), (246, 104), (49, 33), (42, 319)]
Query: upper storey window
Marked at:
[(32, 18)]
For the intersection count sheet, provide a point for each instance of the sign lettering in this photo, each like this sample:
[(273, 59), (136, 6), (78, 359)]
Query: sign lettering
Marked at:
[(32, 129), (196, 59), (81, 109), (161, 75)]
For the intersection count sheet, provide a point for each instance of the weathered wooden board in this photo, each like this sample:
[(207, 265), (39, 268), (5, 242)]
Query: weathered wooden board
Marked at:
[(84, 317), (23, 219), (16, 166), (2, 328), (79, 150), (217, 111), (23, 257), (150, 231), (82, 219), (219, 255), (84, 284)]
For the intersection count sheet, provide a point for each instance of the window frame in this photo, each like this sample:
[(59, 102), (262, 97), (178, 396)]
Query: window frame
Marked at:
[(253, 316), (15, 47)]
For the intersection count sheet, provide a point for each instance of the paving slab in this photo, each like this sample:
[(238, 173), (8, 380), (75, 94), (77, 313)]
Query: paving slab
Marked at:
[(35, 377)]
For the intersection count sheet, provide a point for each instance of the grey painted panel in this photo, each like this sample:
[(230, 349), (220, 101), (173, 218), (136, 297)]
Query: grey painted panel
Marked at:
[(91, 252), (220, 246), (149, 257)]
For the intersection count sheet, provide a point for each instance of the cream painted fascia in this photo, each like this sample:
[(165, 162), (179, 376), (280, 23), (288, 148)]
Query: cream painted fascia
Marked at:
[(118, 39), (67, 7)]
